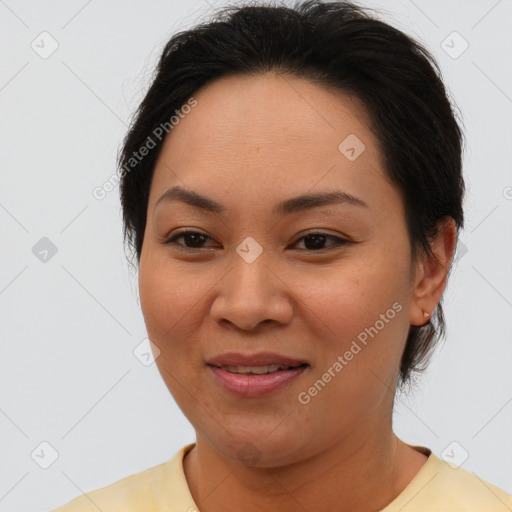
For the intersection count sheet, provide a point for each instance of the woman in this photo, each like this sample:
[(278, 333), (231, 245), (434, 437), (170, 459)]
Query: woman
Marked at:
[(292, 190)]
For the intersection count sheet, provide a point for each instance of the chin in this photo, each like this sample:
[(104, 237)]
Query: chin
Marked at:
[(263, 448)]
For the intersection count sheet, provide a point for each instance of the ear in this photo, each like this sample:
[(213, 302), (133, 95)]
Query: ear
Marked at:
[(431, 275)]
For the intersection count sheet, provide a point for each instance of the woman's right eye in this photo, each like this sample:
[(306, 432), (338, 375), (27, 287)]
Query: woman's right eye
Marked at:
[(193, 237)]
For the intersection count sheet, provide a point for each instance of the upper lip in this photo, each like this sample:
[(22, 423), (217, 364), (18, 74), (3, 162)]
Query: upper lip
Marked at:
[(259, 359)]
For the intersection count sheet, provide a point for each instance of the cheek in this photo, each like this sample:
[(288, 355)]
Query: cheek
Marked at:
[(361, 315), (361, 382), (348, 299), (170, 300)]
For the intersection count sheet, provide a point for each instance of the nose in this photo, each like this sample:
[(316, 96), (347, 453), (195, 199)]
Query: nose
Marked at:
[(252, 294)]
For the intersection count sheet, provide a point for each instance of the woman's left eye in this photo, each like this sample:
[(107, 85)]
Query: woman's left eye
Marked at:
[(317, 239), (312, 241)]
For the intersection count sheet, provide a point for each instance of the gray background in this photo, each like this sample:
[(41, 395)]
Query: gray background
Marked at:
[(69, 324)]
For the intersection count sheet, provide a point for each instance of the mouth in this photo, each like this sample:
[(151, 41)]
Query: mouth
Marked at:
[(259, 361), (255, 375), (258, 370)]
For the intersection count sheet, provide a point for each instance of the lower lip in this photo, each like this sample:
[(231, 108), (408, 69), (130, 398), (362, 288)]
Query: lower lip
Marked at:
[(250, 385)]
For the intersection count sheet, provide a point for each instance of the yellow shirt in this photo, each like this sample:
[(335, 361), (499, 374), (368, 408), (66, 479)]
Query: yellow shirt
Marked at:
[(436, 488)]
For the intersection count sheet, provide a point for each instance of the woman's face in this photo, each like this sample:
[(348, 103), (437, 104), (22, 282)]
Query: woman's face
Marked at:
[(325, 285)]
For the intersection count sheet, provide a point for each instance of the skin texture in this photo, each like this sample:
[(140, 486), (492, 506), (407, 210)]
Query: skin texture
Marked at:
[(250, 143)]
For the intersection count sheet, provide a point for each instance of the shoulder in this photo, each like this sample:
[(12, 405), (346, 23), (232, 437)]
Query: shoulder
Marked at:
[(469, 491), (147, 491), (442, 487), (131, 491)]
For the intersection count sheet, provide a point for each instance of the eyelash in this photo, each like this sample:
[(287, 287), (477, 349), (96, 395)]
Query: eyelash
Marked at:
[(339, 241)]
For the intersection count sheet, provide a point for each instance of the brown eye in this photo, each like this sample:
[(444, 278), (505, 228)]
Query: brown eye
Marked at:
[(316, 241), (193, 239)]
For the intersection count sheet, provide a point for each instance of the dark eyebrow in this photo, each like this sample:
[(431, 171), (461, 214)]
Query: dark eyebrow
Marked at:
[(287, 207)]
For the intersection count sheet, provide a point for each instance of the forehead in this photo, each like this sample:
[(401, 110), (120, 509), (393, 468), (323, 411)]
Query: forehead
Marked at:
[(263, 111), (265, 133)]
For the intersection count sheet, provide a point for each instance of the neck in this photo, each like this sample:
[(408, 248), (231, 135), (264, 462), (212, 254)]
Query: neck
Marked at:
[(364, 473)]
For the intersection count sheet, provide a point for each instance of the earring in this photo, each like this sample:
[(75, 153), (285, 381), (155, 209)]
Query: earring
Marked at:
[(426, 316)]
